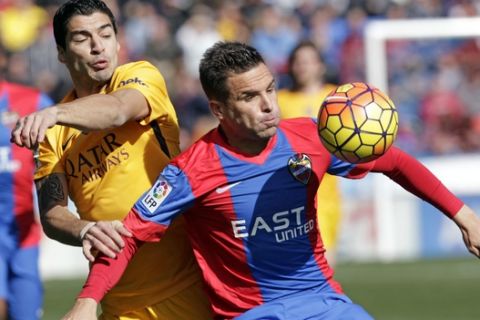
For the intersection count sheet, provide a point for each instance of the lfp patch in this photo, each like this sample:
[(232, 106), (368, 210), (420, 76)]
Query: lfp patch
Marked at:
[(157, 194), (300, 167)]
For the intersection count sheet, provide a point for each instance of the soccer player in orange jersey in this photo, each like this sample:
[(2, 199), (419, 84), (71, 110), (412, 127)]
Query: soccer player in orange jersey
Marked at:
[(103, 146)]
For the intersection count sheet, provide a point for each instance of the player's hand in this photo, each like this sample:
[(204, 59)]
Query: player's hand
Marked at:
[(103, 236), (469, 224), (30, 130), (84, 309)]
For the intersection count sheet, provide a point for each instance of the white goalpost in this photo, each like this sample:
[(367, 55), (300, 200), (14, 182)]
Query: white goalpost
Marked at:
[(396, 211), (377, 33)]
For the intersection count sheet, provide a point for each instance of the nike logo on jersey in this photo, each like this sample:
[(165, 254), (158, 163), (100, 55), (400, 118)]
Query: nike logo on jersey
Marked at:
[(227, 187), (65, 144)]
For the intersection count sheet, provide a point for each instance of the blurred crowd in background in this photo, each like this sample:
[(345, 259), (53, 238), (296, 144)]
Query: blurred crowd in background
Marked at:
[(435, 84)]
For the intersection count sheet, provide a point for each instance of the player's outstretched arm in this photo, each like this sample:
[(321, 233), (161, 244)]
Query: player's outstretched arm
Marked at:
[(84, 309), (94, 112), (469, 224), (106, 272), (62, 225), (417, 179)]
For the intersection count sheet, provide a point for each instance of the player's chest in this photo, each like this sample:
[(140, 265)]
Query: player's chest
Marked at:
[(88, 157), (273, 189)]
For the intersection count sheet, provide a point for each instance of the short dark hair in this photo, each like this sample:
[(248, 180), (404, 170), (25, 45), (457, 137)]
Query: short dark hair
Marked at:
[(77, 7), (221, 61)]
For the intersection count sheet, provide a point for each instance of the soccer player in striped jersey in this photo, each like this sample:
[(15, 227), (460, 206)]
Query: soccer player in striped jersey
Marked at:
[(247, 190), (21, 293)]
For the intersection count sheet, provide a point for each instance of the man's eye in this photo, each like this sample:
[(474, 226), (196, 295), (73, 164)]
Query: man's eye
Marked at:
[(106, 36), (79, 39)]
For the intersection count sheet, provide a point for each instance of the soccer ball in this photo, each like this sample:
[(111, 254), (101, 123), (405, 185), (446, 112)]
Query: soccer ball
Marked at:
[(357, 122)]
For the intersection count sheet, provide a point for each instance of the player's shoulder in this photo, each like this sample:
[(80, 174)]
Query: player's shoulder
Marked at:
[(141, 73), (135, 65), (58, 140), (197, 156), (300, 131)]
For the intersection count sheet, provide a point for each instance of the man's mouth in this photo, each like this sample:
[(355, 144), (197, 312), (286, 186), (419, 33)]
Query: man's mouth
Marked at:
[(100, 65)]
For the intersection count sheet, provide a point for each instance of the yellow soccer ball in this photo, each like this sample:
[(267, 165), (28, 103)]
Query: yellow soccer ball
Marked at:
[(357, 122)]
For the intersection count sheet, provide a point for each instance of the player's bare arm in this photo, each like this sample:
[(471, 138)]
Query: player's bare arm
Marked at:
[(57, 221), (469, 224), (60, 224), (94, 112), (84, 309)]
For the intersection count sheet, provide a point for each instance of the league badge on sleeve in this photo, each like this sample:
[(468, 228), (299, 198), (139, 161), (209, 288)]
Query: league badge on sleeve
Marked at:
[(300, 167), (157, 194)]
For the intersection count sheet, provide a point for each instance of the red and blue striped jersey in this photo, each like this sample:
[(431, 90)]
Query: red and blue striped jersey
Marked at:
[(17, 220), (251, 219)]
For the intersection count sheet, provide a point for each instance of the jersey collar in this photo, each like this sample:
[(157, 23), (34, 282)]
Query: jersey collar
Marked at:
[(220, 140)]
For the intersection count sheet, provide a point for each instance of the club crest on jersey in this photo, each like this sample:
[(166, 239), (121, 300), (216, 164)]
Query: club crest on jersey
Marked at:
[(156, 195), (300, 167)]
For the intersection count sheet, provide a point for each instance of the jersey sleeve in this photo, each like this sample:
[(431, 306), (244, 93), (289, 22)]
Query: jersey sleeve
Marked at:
[(47, 160), (409, 173), (148, 221), (146, 78), (414, 177), (344, 169), (105, 271), (170, 195)]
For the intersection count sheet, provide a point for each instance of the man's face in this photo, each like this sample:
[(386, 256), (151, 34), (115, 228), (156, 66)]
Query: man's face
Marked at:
[(91, 53), (251, 112)]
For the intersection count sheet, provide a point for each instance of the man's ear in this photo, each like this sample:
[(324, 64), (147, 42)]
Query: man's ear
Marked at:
[(61, 54), (217, 108)]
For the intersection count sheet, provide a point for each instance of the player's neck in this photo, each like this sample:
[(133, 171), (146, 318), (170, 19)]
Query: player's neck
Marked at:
[(252, 148), (86, 89), (248, 147)]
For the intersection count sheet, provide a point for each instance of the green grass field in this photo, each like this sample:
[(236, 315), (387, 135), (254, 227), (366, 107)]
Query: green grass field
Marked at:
[(424, 290)]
